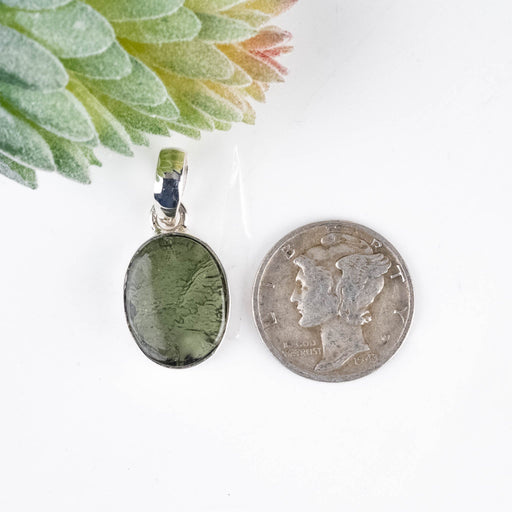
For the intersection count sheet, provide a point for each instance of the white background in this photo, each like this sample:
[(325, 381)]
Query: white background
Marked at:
[(397, 115)]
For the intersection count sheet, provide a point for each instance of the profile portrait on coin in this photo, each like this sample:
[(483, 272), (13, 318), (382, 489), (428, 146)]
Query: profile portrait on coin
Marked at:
[(336, 283)]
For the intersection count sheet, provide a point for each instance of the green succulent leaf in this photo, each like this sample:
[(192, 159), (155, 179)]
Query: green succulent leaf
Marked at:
[(113, 63), (222, 29), (256, 91), (34, 5), (271, 7), (27, 63), (192, 59), (137, 137), (185, 130), (194, 118), (268, 37), (19, 173), (122, 10), (256, 67), (22, 143), (189, 115), (70, 161), (141, 87), (239, 78), (183, 25), (207, 101), (76, 73), (222, 125), (167, 111), (253, 18), (130, 117), (211, 5), (236, 98), (72, 31), (111, 132), (58, 112), (89, 154), (249, 114)]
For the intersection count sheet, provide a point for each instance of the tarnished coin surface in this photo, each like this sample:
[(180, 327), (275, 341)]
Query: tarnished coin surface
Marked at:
[(333, 301)]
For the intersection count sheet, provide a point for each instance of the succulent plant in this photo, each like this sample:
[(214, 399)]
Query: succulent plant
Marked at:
[(75, 74)]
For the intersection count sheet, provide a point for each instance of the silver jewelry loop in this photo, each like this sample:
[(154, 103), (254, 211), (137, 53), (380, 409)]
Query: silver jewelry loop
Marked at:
[(163, 224), (168, 213)]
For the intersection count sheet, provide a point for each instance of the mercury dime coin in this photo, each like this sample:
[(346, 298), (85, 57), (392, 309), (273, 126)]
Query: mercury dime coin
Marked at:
[(333, 301)]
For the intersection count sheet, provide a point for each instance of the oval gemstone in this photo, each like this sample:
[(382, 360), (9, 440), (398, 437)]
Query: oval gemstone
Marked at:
[(176, 300)]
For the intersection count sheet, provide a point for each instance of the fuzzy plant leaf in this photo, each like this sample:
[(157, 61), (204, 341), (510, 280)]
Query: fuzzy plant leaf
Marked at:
[(202, 98), (59, 112), (192, 117), (71, 31), (268, 37), (35, 5), (123, 10), (239, 78), (223, 29), (236, 98), (222, 125), (252, 18), (112, 64), (212, 6), (25, 62), (111, 132), (22, 143), (89, 155), (192, 59), (270, 7), (75, 74), (185, 130), (70, 160), (137, 137), (253, 64), (127, 116), (183, 25), (167, 110), (256, 91), (140, 87), (17, 172)]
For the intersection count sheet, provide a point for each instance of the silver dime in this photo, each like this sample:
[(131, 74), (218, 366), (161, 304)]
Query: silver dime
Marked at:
[(333, 301)]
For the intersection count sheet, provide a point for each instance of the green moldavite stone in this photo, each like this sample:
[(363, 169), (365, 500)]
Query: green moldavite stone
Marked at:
[(176, 300)]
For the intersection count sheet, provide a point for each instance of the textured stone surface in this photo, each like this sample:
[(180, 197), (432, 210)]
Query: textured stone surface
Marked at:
[(176, 300)]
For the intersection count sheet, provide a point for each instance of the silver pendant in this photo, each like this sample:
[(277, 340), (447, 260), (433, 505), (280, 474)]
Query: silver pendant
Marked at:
[(175, 294), (333, 301)]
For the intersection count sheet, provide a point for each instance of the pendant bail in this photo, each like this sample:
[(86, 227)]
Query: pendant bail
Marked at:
[(168, 212)]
